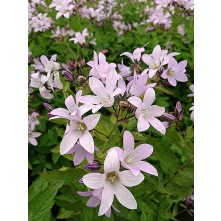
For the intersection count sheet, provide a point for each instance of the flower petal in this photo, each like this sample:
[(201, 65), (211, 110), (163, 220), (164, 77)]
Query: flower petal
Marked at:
[(111, 162), (79, 156), (147, 167), (87, 142), (69, 141), (156, 110), (94, 180), (107, 198), (136, 101), (141, 152), (149, 97), (157, 125), (91, 121), (128, 142), (124, 196), (98, 88), (127, 178), (142, 124), (93, 202)]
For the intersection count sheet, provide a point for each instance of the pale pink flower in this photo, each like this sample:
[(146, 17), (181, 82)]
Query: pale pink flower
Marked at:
[(100, 68), (79, 130), (38, 81), (175, 72), (38, 65), (32, 120), (95, 200), (104, 94), (80, 38), (136, 56), (157, 59), (32, 137), (132, 159), (146, 113), (113, 181), (192, 89), (80, 154), (72, 110), (124, 70)]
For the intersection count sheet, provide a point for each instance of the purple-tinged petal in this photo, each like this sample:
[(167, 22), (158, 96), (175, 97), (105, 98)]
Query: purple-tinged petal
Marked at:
[(157, 125), (156, 110), (136, 101), (85, 194), (128, 142), (147, 167), (141, 152), (79, 156), (149, 97), (93, 202)]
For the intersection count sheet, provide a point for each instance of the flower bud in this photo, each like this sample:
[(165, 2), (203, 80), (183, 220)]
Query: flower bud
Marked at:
[(70, 64), (178, 107), (48, 106), (81, 181), (93, 167), (149, 29), (168, 117), (105, 51), (68, 76)]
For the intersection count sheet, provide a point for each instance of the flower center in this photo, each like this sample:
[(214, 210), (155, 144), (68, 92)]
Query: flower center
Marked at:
[(29, 135), (112, 176), (170, 72), (82, 127), (107, 99), (128, 160)]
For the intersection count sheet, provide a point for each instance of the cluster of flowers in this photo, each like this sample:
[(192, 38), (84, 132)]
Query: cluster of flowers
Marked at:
[(132, 90), (64, 7), (32, 122), (80, 38), (49, 82), (38, 22)]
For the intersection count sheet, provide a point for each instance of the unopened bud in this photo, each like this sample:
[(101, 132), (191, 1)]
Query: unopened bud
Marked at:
[(178, 107), (168, 117), (93, 167), (149, 29), (70, 64), (83, 62), (105, 51), (81, 181), (68, 76), (48, 106), (124, 104)]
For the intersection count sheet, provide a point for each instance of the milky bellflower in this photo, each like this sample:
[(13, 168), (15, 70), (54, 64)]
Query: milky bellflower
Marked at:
[(136, 56), (104, 94), (157, 59), (80, 154), (80, 37), (175, 72), (72, 110), (100, 68), (113, 181), (95, 200), (132, 159), (146, 113), (79, 130), (39, 81)]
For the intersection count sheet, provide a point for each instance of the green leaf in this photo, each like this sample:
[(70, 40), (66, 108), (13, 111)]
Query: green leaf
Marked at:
[(40, 204)]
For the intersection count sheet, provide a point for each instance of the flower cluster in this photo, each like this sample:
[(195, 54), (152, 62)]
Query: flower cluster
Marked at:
[(126, 92), (46, 83), (32, 122), (38, 22)]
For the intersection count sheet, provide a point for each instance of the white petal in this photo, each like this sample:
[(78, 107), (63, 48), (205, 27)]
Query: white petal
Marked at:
[(91, 121), (149, 97), (107, 198), (128, 179), (124, 196), (111, 162), (94, 180)]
